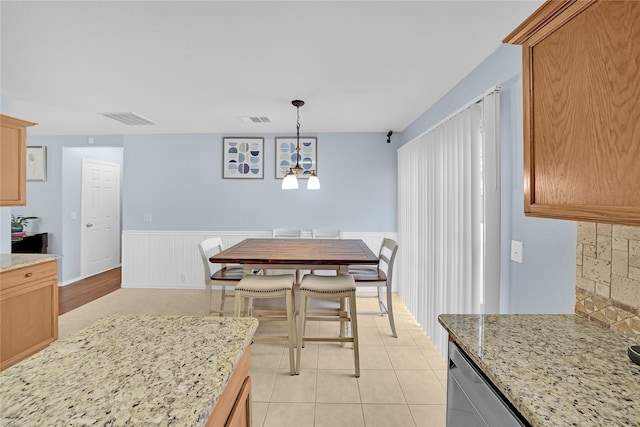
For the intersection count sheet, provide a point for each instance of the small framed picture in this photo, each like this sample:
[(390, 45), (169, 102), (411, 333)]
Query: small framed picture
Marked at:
[(286, 155), (243, 158), (36, 163)]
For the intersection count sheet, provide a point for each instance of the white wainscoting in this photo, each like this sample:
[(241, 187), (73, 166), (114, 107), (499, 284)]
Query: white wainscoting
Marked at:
[(171, 260)]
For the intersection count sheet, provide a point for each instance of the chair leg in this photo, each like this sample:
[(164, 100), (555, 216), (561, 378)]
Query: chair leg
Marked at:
[(354, 332), (237, 305), (291, 318), (209, 298), (343, 325), (392, 323), (223, 296), (380, 303), (302, 313)]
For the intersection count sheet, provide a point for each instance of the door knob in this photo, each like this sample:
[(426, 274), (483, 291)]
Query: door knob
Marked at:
[(89, 225)]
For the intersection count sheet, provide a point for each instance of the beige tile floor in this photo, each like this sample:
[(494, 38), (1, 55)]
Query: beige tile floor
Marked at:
[(402, 381)]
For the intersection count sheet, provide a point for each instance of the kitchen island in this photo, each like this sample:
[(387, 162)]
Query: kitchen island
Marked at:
[(556, 370), (134, 370)]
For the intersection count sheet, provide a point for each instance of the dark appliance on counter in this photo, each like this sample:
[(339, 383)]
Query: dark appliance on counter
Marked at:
[(30, 244)]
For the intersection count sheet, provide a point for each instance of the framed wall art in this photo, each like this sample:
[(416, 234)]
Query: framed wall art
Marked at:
[(286, 155), (36, 163), (243, 158)]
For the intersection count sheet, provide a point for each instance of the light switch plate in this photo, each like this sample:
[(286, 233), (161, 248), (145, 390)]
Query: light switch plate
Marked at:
[(516, 251)]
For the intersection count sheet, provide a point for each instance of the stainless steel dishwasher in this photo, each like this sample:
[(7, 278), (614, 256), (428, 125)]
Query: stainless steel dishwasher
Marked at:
[(472, 400)]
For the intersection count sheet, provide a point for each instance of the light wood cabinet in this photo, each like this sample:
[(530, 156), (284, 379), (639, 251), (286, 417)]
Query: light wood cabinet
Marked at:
[(13, 152), (241, 414), (581, 79), (233, 408), (28, 311)]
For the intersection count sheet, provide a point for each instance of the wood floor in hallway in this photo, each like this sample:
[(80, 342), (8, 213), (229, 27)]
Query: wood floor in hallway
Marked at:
[(86, 290)]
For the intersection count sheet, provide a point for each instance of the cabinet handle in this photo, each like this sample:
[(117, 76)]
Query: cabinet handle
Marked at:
[(28, 275)]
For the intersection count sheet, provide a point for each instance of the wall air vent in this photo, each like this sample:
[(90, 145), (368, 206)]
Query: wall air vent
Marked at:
[(255, 119), (131, 119)]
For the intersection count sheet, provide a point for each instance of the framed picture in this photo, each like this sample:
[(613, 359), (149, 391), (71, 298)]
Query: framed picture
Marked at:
[(36, 163), (243, 158), (286, 155)]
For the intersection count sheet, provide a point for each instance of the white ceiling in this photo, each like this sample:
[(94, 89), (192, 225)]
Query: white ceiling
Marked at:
[(199, 66)]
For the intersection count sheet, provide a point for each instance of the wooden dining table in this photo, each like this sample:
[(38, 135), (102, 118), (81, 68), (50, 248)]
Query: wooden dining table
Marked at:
[(297, 254)]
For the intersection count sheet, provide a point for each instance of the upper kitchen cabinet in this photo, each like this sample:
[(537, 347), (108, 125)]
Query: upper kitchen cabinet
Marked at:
[(13, 163), (581, 95)]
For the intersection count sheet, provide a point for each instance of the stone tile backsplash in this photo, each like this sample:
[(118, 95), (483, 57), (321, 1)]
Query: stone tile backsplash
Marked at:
[(608, 276)]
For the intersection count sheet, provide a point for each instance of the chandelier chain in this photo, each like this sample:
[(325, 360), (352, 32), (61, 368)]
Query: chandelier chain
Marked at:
[(297, 134)]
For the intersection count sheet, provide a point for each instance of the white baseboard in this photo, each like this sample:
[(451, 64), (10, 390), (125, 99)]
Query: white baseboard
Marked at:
[(163, 286), (70, 281)]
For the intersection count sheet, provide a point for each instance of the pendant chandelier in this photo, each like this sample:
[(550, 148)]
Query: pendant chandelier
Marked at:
[(290, 181)]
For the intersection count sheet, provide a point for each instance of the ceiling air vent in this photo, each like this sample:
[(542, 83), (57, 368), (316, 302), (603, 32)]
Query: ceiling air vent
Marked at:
[(255, 119), (131, 119)]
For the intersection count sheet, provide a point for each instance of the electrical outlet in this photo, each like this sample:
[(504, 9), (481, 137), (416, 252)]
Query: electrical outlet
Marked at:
[(147, 217), (516, 251)]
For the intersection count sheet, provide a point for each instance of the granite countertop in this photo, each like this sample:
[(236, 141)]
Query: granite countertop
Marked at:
[(128, 370), (13, 261), (559, 370)]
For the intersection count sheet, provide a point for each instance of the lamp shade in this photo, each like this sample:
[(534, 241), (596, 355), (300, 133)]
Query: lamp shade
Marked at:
[(289, 182), (313, 183)]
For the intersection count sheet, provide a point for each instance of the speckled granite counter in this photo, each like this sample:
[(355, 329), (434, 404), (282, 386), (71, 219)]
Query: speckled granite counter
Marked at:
[(128, 370), (557, 370), (12, 261)]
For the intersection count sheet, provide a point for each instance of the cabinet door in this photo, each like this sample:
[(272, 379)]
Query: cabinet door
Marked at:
[(581, 81), (13, 152), (28, 311), (241, 412)]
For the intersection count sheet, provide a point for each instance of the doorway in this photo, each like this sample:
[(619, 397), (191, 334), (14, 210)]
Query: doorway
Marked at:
[(100, 216)]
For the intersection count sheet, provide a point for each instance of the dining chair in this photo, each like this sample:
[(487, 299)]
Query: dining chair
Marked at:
[(277, 286), (325, 234), (225, 276), (286, 233), (342, 288), (380, 276)]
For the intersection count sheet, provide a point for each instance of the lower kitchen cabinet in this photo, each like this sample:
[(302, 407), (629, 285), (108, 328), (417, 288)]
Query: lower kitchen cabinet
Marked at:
[(241, 413), (28, 311), (233, 409)]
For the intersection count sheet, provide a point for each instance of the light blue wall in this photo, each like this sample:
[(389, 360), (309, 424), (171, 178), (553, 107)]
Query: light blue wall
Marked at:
[(545, 281), (53, 200), (178, 180)]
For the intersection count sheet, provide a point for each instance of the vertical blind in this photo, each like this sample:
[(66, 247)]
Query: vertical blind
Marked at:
[(448, 183)]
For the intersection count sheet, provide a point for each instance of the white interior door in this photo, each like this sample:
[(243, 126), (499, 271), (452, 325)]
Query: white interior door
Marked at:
[(100, 216)]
